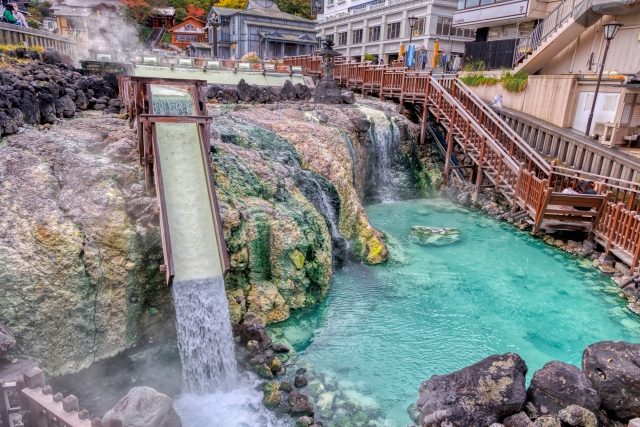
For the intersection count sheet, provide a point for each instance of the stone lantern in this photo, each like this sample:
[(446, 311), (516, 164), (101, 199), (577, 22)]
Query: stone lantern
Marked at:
[(327, 91)]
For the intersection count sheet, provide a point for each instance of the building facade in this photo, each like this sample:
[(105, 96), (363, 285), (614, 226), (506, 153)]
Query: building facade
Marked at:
[(190, 30), (561, 45), (94, 23), (381, 28), (261, 28)]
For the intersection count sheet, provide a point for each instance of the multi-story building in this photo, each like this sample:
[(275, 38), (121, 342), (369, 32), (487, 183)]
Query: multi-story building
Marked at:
[(262, 28), (381, 28), (562, 46), (94, 23)]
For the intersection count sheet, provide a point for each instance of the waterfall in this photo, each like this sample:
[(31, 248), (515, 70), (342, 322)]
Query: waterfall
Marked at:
[(385, 138), (173, 106), (324, 198), (204, 336)]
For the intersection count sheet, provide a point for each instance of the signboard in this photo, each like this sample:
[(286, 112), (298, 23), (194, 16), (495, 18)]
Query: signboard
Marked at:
[(411, 56)]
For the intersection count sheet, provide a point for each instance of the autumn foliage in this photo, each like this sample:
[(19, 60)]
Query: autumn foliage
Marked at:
[(195, 11)]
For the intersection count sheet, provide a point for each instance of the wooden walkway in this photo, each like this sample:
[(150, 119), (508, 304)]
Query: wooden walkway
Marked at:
[(505, 162)]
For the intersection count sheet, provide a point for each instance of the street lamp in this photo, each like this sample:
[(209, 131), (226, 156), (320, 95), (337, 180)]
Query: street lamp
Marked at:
[(610, 30), (412, 24), (267, 36)]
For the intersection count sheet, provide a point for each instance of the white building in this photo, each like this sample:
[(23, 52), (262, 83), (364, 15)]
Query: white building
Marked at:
[(380, 28)]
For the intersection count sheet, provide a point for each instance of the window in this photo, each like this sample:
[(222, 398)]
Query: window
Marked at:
[(610, 103), (420, 26), (374, 33), (463, 32), (342, 39), (329, 2), (443, 27), (104, 13), (357, 36), (329, 37), (365, 5), (190, 27), (393, 30)]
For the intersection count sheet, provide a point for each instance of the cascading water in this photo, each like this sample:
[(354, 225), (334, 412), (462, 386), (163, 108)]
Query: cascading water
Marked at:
[(214, 393), (385, 137), (324, 198), (204, 336)]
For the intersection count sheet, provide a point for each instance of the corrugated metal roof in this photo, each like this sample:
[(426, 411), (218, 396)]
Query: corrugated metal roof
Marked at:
[(254, 9)]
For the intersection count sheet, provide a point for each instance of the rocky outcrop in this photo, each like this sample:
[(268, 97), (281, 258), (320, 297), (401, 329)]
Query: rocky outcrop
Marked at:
[(7, 340), (479, 395), (576, 416), (614, 369), (144, 407), (558, 385), (42, 92), (244, 92)]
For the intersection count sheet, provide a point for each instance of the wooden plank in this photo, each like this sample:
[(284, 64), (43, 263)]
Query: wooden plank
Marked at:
[(46, 401)]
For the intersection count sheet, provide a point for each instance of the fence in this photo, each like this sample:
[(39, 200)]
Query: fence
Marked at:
[(495, 54), (14, 34)]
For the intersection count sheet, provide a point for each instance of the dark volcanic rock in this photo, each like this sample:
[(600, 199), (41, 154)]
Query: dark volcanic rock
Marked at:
[(478, 395), (300, 404), (288, 92), (246, 92), (577, 416), (212, 91), (7, 340), (348, 97), (614, 369), (279, 348), (518, 420), (253, 329), (51, 56), (300, 381), (558, 385)]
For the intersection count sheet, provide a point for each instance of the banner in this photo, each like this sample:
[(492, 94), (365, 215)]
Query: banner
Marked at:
[(411, 56), (434, 60)]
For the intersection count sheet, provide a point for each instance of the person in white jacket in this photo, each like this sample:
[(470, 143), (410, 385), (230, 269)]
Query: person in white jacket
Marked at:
[(19, 16), (497, 101)]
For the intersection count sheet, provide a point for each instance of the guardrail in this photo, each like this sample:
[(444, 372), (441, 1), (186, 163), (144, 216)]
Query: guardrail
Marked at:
[(16, 35), (214, 64), (40, 407)]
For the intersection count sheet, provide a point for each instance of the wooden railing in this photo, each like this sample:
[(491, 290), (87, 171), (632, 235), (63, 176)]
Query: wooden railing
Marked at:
[(40, 407), (309, 63), (515, 168)]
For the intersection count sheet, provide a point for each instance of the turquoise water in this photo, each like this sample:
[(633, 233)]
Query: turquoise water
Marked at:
[(433, 310)]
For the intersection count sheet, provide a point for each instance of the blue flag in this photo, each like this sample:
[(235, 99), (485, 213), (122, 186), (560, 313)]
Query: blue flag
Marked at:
[(411, 54)]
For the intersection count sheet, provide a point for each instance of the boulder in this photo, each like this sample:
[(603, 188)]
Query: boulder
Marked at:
[(304, 422), (286, 386), (547, 421), (348, 97), (65, 107), (279, 348), (7, 340), (432, 236), (300, 404), (518, 420), (479, 395), (576, 416), (212, 91), (272, 399), (614, 369), (300, 381), (558, 385), (288, 92), (144, 407), (253, 329), (51, 56)]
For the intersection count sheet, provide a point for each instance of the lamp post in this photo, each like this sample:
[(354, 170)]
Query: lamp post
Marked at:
[(412, 23), (610, 30), (213, 28), (266, 38)]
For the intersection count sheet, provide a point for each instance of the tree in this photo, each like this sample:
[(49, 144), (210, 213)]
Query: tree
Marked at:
[(232, 4), (195, 11), (141, 10), (300, 8)]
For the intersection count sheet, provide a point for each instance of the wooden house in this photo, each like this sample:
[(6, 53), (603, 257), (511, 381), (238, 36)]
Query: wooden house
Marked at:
[(190, 30)]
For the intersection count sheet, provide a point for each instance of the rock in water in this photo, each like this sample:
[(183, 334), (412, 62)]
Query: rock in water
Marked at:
[(144, 407), (558, 385), (348, 97), (478, 395), (7, 340), (432, 236), (576, 416), (614, 369)]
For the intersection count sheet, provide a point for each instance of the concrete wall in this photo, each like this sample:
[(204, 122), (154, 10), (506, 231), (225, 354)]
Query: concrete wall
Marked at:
[(623, 56), (549, 98)]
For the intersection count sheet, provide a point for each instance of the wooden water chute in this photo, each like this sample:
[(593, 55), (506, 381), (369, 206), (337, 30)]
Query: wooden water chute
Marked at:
[(140, 103)]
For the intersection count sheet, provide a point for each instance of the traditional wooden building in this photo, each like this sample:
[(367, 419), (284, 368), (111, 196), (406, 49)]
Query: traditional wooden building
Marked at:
[(190, 30), (163, 17)]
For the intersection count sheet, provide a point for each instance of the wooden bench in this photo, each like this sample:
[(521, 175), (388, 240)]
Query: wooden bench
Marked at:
[(558, 211)]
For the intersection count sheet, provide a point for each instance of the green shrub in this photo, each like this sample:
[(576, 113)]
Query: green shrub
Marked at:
[(369, 57), (473, 66), (514, 82)]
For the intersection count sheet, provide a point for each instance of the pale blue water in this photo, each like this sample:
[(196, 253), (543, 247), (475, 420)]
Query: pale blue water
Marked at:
[(433, 310)]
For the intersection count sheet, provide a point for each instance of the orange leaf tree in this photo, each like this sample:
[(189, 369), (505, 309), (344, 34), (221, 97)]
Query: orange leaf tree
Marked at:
[(195, 11)]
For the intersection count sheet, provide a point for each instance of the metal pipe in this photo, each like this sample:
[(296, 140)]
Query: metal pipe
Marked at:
[(438, 416), (595, 96)]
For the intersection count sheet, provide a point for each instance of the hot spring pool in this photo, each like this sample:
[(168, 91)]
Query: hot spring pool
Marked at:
[(432, 310)]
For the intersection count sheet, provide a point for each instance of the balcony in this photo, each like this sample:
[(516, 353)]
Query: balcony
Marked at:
[(487, 13), (224, 37)]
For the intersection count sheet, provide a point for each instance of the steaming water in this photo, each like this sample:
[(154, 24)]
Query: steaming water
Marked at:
[(433, 310), (385, 135)]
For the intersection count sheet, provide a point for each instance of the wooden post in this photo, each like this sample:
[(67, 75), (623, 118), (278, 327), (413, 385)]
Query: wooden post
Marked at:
[(479, 178), (466, 137), (614, 223), (447, 161), (498, 172), (4, 406)]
